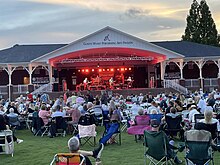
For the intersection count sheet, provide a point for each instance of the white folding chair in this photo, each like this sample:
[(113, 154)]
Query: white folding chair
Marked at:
[(6, 142), (86, 133)]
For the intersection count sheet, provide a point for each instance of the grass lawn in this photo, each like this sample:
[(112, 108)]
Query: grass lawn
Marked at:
[(40, 150)]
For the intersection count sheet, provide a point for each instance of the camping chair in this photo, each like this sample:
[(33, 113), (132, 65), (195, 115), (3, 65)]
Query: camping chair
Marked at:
[(8, 147), (155, 148), (198, 147), (98, 114), (68, 159), (60, 125), (158, 117), (109, 134), (212, 128), (86, 133), (198, 117), (173, 126), (142, 123)]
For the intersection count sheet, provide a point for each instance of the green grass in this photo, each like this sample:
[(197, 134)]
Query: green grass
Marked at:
[(40, 150)]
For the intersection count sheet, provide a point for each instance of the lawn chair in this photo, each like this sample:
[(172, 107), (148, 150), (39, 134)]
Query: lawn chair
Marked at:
[(212, 128), (142, 123), (5, 137), (155, 148), (68, 159), (198, 147), (173, 126), (86, 133), (112, 130)]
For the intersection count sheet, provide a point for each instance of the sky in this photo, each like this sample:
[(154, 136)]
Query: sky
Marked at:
[(64, 21)]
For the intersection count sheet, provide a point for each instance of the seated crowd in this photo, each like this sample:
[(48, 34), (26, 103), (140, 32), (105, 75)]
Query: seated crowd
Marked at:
[(136, 112)]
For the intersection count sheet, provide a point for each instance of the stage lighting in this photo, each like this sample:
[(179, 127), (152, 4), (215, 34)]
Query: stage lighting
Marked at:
[(118, 69), (112, 70), (122, 69), (78, 70), (100, 70), (87, 70), (107, 69), (93, 70), (126, 69), (103, 70), (129, 68), (83, 70)]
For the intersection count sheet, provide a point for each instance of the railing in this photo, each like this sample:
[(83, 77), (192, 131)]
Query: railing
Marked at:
[(192, 83), (4, 89), (43, 88), (175, 85), (19, 89), (210, 82)]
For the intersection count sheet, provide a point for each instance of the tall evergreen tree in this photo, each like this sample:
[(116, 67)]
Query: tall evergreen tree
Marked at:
[(200, 25), (207, 27), (192, 28)]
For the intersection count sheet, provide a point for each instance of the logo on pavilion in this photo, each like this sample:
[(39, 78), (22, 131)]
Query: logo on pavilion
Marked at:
[(107, 38)]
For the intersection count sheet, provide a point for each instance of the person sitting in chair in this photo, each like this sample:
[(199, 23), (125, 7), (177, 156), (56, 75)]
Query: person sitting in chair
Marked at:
[(73, 145), (170, 147)]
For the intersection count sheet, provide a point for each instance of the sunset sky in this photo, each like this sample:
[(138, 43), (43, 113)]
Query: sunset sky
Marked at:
[(63, 21)]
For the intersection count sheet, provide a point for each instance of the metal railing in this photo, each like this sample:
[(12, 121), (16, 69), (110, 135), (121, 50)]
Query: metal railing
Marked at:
[(192, 83), (19, 89), (43, 88), (175, 85), (210, 82), (4, 89)]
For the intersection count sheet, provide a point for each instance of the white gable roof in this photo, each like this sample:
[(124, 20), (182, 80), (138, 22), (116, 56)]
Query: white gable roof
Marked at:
[(106, 38)]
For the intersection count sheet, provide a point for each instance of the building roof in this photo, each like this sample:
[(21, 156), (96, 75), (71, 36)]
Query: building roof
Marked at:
[(26, 53), (190, 49)]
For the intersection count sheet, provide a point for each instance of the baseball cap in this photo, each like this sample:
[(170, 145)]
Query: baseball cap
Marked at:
[(154, 123)]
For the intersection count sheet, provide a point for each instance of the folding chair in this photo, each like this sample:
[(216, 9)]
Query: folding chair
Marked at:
[(60, 125), (68, 159), (173, 126), (111, 132), (155, 148), (198, 117), (142, 124), (6, 142), (86, 133), (98, 114), (198, 147), (212, 128)]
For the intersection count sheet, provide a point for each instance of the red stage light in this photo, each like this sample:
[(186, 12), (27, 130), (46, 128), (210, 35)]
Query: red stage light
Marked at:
[(83, 70), (112, 70), (126, 69), (100, 70), (122, 69), (129, 68), (107, 69), (78, 70), (87, 70), (118, 69), (103, 69), (93, 70)]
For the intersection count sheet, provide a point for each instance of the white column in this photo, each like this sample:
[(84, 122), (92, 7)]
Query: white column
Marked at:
[(218, 64), (9, 70), (181, 69), (50, 70), (30, 73), (162, 69)]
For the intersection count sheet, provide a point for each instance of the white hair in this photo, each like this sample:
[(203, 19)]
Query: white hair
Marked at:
[(73, 144)]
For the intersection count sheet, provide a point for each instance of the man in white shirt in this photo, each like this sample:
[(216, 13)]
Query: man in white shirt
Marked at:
[(192, 113)]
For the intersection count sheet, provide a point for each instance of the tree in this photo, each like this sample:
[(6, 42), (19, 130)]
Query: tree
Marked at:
[(200, 25), (192, 28), (208, 31)]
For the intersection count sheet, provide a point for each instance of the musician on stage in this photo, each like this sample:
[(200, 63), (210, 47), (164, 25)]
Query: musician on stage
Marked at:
[(130, 81), (111, 83), (85, 83)]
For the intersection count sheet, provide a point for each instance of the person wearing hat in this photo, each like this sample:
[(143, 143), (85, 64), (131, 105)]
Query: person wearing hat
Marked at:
[(192, 111), (155, 127)]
